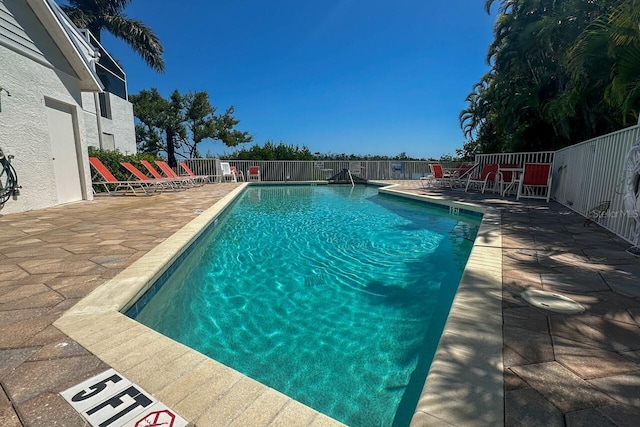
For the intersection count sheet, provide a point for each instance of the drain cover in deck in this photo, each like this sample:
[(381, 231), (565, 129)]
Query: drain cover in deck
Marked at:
[(552, 302)]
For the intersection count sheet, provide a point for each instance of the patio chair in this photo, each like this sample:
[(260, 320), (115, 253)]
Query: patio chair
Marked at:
[(427, 180), (120, 187), (198, 178), (254, 173), (438, 174), (160, 183), (166, 169), (487, 177), (227, 173), (535, 182), (462, 173), (238, 174)]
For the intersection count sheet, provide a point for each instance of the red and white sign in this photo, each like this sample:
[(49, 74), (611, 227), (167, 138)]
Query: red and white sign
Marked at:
[(111, 400), (156, 419), (157, 416)]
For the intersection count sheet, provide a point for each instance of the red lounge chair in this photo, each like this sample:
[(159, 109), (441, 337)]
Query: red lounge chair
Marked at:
[(174, 183), (488, 175), (161, 183), (109, 180), (198, 178), (151, 169), (535, 182), (166, 169)]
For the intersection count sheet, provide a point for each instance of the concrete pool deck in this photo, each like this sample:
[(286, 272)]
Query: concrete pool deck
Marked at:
[(558, 369)]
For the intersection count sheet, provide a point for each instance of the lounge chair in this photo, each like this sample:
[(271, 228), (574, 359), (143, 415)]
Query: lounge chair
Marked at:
[(160, 183), (151, 169), (120, 187), (198, 178), (535, 182), (166, 169), (254, 173), (227, 173), (175, 183), (487, 176)]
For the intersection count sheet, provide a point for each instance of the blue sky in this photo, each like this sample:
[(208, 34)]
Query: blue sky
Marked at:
[(339, 76)]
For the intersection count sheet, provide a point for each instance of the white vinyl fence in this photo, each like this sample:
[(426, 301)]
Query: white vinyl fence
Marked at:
[(588, 174), (584, 175), (515, 158), (298, 170)]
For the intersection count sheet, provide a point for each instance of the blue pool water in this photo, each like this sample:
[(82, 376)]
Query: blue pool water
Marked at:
[(335, 296)]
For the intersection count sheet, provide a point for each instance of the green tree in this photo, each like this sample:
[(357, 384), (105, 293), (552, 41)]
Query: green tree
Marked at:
[(96, 15), (609, 50), (202, 123), (149, 108), (271, 151), (178, 124), (552, 65), (159, 123)]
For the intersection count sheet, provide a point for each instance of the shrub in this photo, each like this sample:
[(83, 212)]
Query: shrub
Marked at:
[(112, 159)]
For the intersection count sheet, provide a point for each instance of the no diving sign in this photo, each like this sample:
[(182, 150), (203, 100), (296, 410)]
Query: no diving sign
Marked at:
[(111, 400)]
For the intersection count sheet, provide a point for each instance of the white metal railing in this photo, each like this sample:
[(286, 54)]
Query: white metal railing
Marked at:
[(584, 175), (515, 158), (310, 170), (592, 172), (313, 170)]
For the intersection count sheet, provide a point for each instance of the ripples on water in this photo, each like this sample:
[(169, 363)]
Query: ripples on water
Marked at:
[(335, 296)]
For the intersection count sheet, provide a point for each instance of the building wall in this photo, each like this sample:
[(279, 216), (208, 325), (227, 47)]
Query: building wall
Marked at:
[(24, 127), (23, 32), (90, 120), (121, 125), (120, 128)]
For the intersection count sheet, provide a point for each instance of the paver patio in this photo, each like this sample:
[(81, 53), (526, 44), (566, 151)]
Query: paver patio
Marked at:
[(580, 369)]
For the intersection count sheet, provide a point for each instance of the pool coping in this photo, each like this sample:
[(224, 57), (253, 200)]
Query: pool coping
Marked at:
[(205, 392), (465, 386)]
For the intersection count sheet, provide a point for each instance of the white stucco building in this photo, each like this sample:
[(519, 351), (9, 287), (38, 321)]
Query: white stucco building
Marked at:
[(52, 115), (109, 114)]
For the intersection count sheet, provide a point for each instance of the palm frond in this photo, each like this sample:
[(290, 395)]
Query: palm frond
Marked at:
[(140, 37)]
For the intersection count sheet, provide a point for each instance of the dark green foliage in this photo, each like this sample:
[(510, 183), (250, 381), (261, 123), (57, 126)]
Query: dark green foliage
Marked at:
[(97, 15), (560, 74), (282, 151), (112, 159), (271, 151), (179, 124)]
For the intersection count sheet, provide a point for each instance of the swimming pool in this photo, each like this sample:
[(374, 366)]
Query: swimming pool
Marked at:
[(334, 296)]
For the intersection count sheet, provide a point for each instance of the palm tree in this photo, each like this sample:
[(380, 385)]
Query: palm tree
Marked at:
[(96, 15), (613, 39)]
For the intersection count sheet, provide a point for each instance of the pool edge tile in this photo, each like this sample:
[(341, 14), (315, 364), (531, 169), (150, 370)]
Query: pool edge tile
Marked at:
[(116, 295)]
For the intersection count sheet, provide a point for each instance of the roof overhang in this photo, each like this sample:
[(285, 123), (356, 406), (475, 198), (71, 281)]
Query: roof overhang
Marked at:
[(66, 36)]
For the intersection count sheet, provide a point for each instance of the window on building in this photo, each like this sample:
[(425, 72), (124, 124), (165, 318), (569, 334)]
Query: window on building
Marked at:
[(108, 142), (105, 105)]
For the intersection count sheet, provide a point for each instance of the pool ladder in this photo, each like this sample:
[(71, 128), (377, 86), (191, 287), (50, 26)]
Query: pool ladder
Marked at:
[(351, 178)]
